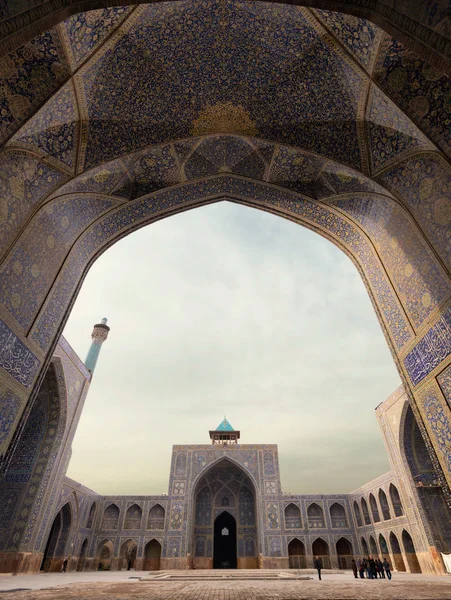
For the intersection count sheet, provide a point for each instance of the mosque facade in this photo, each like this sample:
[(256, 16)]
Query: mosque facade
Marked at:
[(224, 508)]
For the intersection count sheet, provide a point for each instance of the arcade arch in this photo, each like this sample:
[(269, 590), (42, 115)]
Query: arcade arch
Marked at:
[(344, 553), (396, 553), (56, 550), (365, 512), (427, 489), (133, 517), (156, 517), (315, 515), (127, 555), (396, 500), (292, 516), (152, 556), (374, 509), (82, 555), (358, 515), (410, 554), (384, 505), (320, 548), (104, 555), (338, 515), (224, 530), (111, 517), (296, 554)]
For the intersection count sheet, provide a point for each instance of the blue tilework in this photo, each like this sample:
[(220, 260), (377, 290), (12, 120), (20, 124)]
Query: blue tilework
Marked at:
[(155, 169), (9, 408), (418, 89), (17, 360), (87, 30), (431, 350), (104, 232), (224, 154), (224, 426), (416, 275), (390, 132), (24, 181), (424, 185), (358, 35), (171, 94), (36, 259), (28, 77), (438, 420), (444, 380), (53, 128), (98, 180)]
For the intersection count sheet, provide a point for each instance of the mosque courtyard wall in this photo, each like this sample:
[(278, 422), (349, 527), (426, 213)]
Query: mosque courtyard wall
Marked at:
[(384, 517)]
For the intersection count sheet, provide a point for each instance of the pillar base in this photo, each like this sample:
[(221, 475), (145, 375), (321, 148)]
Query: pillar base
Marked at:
[(20, 562)]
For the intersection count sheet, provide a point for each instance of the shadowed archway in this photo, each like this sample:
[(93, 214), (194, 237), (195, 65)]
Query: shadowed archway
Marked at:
[(224, 542)]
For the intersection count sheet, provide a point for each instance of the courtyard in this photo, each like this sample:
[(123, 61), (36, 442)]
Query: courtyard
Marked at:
[(250, 585)]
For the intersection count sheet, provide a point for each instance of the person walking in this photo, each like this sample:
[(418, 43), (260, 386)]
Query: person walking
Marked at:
[(318, 566), (381, 568), (367, 568), (387, 568), (361, 566), (64, 567), (354, 568)]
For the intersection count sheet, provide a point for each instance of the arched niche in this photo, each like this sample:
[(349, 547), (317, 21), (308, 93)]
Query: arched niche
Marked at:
[(344, 553), (292, 516), (425, 479), (28, 465), (383, 546), (374, 509), (296, 554), (133, 517), (357, 513), (127, 555), (396, 553), (396, 500), (91, 516), (338, 516), (364, 546), (111, 517), (152, 556), (57, 546), (224, 488), (410, 553), (384, 505), (315, 515), (320, 548), (82, 555), (156, 517), (365, 512), (104, 555), (373, 547)]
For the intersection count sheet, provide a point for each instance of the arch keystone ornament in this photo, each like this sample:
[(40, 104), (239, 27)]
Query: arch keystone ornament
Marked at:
[(336, 121)]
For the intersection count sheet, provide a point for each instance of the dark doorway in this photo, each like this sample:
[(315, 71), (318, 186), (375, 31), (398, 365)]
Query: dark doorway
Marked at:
[(224, 553)]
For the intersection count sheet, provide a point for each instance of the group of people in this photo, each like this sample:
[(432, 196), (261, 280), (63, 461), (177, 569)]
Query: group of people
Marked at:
[(372, 567)]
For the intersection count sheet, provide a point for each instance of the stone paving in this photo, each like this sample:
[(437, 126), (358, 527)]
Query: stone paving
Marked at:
[(117, 586)]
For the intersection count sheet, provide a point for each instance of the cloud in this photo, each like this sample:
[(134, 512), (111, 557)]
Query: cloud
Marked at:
[(229, 310)]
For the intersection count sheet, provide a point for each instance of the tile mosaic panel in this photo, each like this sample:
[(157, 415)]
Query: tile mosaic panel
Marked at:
[(431, 350), (390, 131), (438, 421), (10, 404), (423, 184), (24, 181), (444, 380), (31, 267), (418, 278), (53, 129), (87, 30), (421, 91), (28, 77), (358, 35), (17, 360), (149, 110)]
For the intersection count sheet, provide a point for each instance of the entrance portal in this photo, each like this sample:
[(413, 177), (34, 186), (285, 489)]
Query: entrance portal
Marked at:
[(224, 549)]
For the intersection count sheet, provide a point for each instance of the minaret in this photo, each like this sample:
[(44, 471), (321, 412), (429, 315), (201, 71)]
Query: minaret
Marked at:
[(224, 434), (99, 335)]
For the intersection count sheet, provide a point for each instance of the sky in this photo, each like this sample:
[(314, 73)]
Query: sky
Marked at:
[(229, 311)]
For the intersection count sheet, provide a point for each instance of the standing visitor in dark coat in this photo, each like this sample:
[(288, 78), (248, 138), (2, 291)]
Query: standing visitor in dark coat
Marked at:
[(354, 568), (318, 566), (361, 565), (387, 568)]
